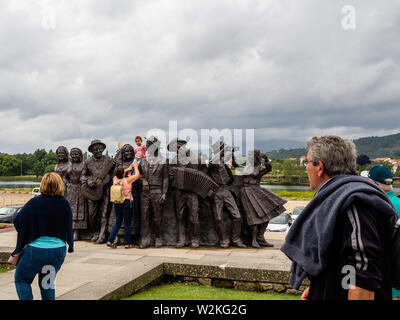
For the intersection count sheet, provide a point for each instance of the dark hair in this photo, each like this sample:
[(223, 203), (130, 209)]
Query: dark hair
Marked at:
[(139, 137), (119, 172)]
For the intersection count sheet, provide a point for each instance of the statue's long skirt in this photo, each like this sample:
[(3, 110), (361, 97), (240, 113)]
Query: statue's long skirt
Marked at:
[(260, 205), (77, 203)]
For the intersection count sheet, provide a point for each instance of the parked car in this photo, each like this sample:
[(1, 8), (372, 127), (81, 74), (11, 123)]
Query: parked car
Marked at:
[(7, 214), (296, 212), (280, 223), (35, 192)]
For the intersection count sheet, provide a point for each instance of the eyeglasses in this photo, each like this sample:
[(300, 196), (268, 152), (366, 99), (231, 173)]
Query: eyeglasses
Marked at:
[(306, 162)]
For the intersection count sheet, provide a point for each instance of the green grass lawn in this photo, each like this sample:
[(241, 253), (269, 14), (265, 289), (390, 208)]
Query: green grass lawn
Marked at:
[(5, 269), (20, 178), (29, 190), (6, 226), (183, 291), (295, 195)]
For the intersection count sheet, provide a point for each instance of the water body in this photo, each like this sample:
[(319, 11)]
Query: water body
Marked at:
[(18, 184), (285, 188)]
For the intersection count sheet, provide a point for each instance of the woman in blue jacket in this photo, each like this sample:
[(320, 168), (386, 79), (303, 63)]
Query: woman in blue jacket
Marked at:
[(44, 226)]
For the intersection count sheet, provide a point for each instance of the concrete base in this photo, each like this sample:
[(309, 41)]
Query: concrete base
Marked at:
[(96, 272)]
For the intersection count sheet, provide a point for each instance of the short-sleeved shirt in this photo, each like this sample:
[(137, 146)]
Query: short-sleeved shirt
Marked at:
[(126, 188), (140, 152), (394, 200), (396, 203), (359, 248)]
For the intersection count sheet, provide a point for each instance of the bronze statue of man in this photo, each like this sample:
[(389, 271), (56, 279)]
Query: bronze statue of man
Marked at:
[(74, 196), (154, 177), (259, 204), (184, 199), (219, 171), (95, 179), (63, 163)]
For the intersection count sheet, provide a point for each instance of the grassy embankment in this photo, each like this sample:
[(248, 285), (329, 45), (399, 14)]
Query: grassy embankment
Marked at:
[(183, 291), (21, 178), (29, 190), (295, 195), (5, 269), (6, 226)]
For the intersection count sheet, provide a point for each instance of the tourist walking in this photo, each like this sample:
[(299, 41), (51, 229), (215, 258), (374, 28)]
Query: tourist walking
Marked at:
[(123, 211), (342, 239), (44, 225), (383, 177)]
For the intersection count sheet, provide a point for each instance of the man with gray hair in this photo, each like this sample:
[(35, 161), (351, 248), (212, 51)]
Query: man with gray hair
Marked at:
[(342, 239)]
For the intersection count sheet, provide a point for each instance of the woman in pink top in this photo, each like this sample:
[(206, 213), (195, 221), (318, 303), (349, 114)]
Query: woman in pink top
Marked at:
[(123, 211)]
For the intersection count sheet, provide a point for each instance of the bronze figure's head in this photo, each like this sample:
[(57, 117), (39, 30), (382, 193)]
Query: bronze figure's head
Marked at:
[(128, 153), (76, 155), (62, 154), (96, 148)]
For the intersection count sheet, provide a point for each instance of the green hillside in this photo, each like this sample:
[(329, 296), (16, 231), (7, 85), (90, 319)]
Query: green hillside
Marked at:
[(284, 154), (376, 147), (373, 147)]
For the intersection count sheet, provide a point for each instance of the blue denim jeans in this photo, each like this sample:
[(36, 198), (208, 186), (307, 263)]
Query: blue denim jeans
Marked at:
[(33, 261), (123, 212)]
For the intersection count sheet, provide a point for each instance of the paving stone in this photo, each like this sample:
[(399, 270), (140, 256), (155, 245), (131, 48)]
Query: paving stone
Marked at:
[(98, 272), (266, 286), (279, 288), (113, 262), (246, 286), (176, 255)]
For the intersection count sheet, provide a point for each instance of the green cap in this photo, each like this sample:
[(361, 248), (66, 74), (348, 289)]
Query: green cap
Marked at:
[(381, 173)]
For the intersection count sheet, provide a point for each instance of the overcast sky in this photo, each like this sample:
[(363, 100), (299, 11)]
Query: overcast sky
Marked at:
[(72, 71)]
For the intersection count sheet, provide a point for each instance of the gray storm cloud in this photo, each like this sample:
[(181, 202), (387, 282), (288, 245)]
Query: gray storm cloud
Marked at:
[(72, 71)]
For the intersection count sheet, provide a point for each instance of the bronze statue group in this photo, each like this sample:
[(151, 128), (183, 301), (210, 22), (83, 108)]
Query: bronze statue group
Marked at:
[(179, 202)]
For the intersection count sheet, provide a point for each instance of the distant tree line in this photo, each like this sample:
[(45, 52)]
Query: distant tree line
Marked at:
[(37, 163)]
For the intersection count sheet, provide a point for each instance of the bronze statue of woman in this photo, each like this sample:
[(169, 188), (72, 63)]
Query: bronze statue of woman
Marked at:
[(74, 196), (260, 205), (63, 161)]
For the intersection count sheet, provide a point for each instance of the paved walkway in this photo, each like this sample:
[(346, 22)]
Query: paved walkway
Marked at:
[(94, 270)]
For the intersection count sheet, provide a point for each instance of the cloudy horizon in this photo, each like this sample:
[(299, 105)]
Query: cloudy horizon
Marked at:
[(71, 71)]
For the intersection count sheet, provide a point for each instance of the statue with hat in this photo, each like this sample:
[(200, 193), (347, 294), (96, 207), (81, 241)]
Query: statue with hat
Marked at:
[(155, 180), (186, 202), (259, 204), (74, 195), (95, 181), (219, 171)]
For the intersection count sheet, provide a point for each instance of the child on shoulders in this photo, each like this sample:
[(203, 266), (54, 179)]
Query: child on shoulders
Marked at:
[(140, 150)]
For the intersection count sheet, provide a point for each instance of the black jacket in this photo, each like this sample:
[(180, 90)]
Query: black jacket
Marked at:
[(44, 216), (311, 238)]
